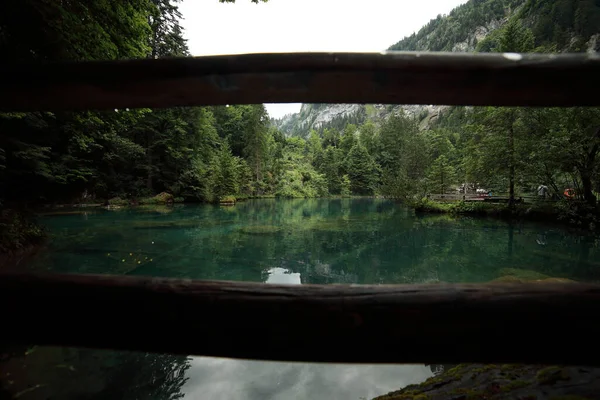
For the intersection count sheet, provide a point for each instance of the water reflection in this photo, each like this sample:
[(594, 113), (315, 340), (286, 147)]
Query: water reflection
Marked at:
[(224, 379), (68, 374), (283, 276), (360, 241)]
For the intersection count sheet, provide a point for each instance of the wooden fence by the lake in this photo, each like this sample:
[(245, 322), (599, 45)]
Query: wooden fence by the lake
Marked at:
[(504, 323), (532, 323)]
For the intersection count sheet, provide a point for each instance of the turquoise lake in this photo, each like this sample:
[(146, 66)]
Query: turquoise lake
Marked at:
[(323, 241)]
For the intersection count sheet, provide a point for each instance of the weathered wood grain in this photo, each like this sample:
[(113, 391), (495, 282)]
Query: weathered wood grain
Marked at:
[(399, 78), (529, 323)]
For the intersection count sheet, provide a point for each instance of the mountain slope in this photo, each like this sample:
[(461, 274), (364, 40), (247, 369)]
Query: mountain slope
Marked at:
[(557, 25)]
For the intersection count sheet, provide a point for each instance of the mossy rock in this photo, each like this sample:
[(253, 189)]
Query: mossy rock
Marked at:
[(551, 375), (159, 209), (161, 198), (64, 213), (518, 275), (166, 224), (507, 279), (555, 280), (117, 201), (523, 274), (260, 230), (227, 200), (514, 385)]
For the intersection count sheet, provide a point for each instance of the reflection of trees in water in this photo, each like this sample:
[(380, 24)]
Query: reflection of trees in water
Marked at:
[(367, 241), (376, 241), (70, 374), (144, 376)]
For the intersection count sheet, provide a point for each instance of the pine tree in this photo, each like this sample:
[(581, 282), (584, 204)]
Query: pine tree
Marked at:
[(361, 171), (441, 174)]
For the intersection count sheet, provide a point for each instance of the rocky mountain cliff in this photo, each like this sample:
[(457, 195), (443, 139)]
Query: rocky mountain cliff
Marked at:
[(558, 25)]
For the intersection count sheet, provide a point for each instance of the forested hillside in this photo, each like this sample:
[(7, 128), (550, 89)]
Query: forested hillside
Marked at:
[(506, 150), (557, 25), (195, 153)]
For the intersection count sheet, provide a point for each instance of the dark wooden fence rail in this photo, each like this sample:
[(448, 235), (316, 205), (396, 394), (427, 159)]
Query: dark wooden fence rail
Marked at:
[(400, 78), (530, 323)]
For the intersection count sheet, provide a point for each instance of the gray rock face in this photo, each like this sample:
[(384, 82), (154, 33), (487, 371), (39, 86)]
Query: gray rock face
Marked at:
[(477, 36), (317, 116)]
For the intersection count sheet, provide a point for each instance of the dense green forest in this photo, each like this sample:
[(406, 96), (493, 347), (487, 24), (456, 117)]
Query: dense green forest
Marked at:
[(208, 153)]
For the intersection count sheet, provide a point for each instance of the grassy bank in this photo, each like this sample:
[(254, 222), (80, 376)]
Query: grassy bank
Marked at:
[(568, 212)]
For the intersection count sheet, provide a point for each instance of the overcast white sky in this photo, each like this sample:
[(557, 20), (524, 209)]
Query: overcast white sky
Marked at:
[(304, 25)]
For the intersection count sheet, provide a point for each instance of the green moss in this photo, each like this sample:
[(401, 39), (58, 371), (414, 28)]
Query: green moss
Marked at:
[(64, 213), (551, 375), (161, 198), (160, 209), (522, 274), (117, 201), (514, 279), (260, 230), (469, 394), (457, 372), (518, 384), (485, 368), (168, 224)]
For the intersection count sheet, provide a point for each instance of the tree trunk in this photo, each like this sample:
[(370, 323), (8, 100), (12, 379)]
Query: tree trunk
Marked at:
[(586, 183), (149, 164)]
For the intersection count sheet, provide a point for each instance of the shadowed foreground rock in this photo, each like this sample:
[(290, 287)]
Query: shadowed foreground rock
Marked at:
[(509, 381)]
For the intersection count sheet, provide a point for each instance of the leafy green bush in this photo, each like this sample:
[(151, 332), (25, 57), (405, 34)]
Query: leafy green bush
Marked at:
[(426, 205), (161, 198), (302, 184), (17, 232), (117, 201)]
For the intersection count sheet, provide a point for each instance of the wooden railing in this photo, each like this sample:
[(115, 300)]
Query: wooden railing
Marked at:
[(400, 78), (528, 323), (534, 323)]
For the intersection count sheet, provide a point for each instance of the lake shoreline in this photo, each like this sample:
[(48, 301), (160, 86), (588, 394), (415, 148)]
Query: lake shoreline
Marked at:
[(575, 216)]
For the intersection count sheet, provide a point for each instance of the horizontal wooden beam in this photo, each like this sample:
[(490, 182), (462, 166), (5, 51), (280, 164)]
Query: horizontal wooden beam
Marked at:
[(522, 323), (393, 78)]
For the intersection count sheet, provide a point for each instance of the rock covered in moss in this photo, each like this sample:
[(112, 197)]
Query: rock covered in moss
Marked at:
[(161, 198), (516, 275), (227, 200), (260, 230), (503, 382)]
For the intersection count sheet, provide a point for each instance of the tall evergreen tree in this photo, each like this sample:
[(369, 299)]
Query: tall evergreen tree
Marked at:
[(361, 171)]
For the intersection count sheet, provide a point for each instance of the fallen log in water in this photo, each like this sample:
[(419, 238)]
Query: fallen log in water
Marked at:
[(500, 323), (392, 77)]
